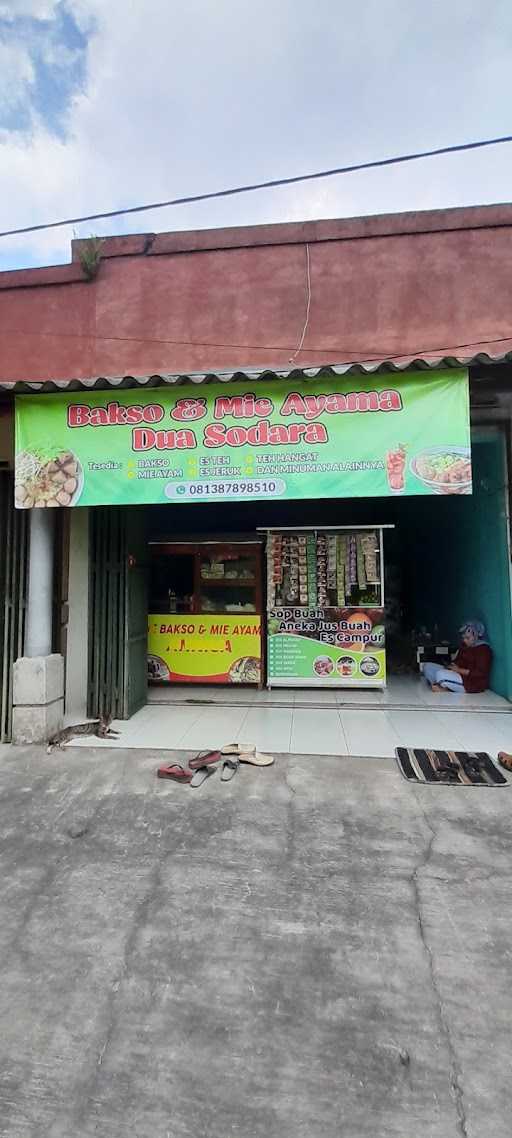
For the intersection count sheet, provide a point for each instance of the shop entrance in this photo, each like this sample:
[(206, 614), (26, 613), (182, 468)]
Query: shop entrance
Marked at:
[(449, 561), (445, 559)]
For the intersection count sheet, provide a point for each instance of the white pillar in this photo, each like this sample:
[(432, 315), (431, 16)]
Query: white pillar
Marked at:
[(38, 676), (38, 628)]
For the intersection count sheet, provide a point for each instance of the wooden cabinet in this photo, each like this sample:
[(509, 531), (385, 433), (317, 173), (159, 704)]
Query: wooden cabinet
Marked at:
[(213, 590)]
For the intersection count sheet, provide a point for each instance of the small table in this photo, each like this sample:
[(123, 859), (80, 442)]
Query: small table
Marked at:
[(434, 653)]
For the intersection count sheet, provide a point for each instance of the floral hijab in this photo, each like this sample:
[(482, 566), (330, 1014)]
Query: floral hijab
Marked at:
[(476, 630)]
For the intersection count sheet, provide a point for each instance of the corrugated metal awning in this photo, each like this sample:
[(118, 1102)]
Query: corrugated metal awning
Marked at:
[(232, 375)]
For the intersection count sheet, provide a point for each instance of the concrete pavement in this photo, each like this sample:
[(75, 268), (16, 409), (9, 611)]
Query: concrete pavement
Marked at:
[(314, 950)]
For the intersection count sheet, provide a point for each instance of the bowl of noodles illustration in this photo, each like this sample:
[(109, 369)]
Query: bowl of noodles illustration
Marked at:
[(47, 479), (246, 670), (157, 669), (443, 469)]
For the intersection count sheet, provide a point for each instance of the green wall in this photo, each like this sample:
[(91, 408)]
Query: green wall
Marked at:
[(460, 563)]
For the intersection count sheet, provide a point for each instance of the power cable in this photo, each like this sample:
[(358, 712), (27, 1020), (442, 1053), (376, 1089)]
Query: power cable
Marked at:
[(271, 184), (361, 353), (308, 307)]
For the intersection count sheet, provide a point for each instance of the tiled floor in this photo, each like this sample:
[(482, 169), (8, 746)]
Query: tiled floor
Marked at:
[(319, 722), (405, 692)]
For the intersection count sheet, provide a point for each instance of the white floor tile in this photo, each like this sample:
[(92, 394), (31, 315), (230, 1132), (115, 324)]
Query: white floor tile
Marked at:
[(287, 719), (364, 697), (269, 728), (408, 692), (419, 691), (275, 695), (427, 729), (318, 697), (215, 726), (369, 733), (444, 701), (317, 732), (491, 733), (489, 700), (184, 693), (152, 726), (159, 735), (403, 689)]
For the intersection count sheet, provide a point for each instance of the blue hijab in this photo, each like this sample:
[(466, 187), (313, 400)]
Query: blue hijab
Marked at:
[(477, 630)]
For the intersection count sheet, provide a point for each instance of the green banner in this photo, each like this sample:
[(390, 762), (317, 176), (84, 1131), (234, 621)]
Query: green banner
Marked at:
[(340, 647), (355, 437)]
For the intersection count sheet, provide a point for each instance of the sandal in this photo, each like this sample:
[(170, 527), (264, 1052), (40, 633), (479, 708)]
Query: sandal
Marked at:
[(174, 771), (200, 775), (257, 758), (238, 749), (229, 768), (204, 758)]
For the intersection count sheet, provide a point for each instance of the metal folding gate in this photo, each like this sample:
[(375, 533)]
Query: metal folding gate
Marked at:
[(117, 671), (13, 594)]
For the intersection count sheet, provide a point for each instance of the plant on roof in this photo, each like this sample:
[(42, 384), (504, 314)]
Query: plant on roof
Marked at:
[(90, 256)]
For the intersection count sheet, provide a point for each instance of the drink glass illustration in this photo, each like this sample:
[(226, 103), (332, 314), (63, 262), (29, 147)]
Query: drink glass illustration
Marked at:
[(395, 469)]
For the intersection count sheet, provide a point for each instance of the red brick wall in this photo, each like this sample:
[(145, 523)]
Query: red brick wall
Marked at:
[(409, 284)]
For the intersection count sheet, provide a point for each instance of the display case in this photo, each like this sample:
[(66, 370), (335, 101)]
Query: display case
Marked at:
[(325, 608), (213, 589), (229, 580)]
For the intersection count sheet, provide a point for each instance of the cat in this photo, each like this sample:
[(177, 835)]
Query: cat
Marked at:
[(99, 727)]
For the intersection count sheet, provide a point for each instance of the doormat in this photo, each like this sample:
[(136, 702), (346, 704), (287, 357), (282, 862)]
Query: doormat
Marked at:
[(449, 768)]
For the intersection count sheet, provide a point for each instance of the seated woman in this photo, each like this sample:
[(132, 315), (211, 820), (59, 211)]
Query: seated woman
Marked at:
[(471, 665)]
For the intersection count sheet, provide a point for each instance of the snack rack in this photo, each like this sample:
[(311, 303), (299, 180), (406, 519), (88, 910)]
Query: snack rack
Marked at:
[(325, 607)]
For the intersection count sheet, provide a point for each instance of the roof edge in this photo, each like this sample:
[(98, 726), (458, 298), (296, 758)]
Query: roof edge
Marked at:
[(252, 374), (252, 236), (332, 229), (71, 273)]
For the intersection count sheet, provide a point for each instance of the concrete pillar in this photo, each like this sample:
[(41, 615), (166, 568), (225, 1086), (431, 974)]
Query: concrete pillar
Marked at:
[(38, 627), (38, 676)]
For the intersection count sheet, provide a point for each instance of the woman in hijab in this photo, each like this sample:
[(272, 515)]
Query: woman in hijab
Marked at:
[(471, 666)]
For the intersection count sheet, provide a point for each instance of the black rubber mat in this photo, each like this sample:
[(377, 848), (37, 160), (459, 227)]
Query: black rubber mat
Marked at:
[(449, 768)]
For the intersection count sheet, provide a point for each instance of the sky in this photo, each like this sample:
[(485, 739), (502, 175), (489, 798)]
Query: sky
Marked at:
[(111, 103)]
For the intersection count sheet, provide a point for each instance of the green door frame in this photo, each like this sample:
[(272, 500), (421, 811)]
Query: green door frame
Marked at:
[(117, 669), (13, 594)]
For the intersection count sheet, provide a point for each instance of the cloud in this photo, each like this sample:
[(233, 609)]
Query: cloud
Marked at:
[(180, 99), (16, 76), (41, 65), (33, 9), (59, 55)]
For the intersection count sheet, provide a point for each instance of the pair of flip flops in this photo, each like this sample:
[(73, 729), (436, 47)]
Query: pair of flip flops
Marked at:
[(198, 774), (230, 756), (247, 753), (202, 766), (228, 770), (202, 762)]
